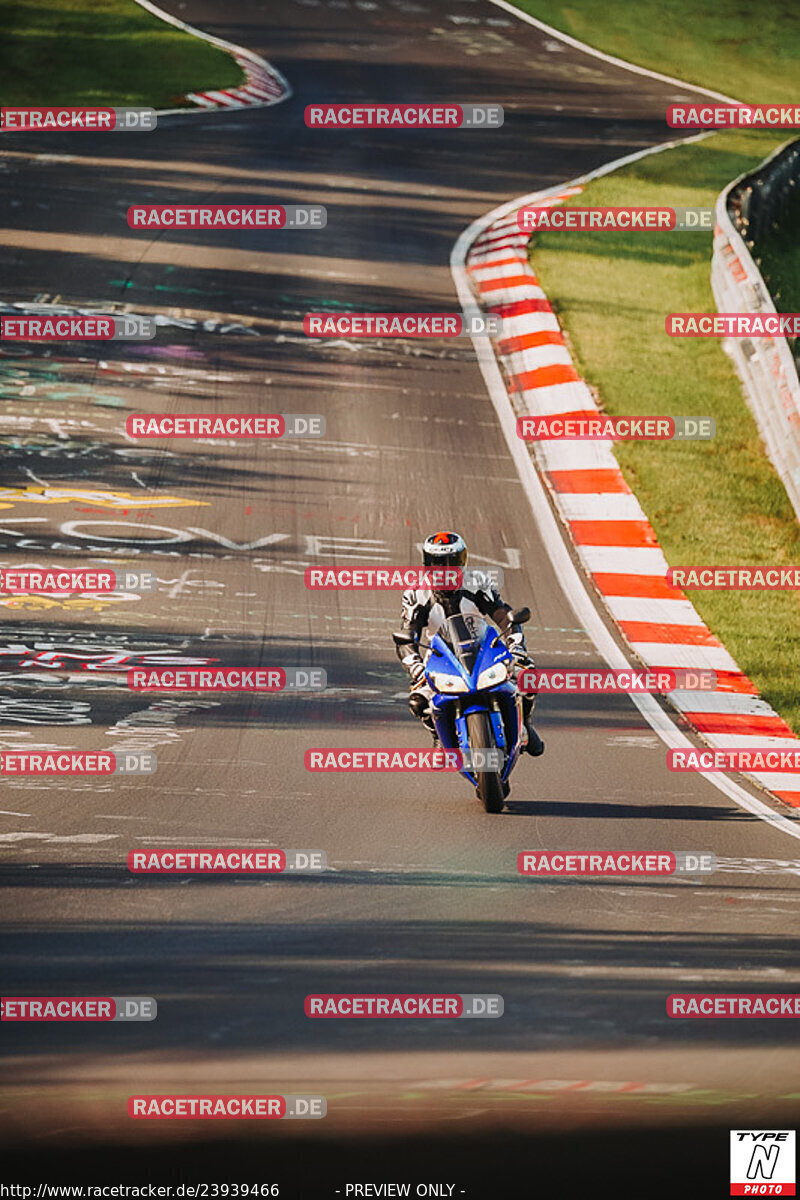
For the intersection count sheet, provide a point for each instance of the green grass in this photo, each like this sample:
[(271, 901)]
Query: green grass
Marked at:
[(727, 45), (709, 502), (96, 52)]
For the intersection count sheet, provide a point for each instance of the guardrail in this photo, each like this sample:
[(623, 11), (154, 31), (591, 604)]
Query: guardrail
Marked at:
[(746, 210)]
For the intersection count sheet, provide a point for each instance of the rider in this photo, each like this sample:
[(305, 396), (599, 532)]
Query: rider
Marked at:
[(424, 611)]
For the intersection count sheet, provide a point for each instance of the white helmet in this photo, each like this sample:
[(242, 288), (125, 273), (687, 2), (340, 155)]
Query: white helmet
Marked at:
[(445, 550)]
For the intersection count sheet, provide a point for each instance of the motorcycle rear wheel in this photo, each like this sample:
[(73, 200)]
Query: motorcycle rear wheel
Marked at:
[(490, 784)]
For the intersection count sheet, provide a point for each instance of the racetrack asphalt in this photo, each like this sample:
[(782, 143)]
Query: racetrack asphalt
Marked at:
[(423, 892)]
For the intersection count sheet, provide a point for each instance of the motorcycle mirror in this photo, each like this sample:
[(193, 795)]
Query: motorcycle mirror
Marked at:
[(402, 639), (519, 616)]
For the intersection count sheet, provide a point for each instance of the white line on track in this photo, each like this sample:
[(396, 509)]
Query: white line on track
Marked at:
[(73, 839), (609, 58), (572, 581)]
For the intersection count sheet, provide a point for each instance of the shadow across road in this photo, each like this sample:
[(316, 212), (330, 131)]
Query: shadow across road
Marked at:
[(234, 987)]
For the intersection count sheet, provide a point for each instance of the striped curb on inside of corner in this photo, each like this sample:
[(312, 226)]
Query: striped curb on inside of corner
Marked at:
[(615, 543), (264, 84)]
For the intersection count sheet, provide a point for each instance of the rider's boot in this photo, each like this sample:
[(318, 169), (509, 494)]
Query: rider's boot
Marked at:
[(418, 703), (535, 745), (431, 728)]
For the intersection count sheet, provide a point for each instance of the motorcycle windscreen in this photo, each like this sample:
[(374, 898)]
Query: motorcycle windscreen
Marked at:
[(465, 633)]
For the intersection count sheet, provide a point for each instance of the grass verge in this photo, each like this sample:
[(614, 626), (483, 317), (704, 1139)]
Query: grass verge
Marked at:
[(716, 502), (96, 52), (726, 46)]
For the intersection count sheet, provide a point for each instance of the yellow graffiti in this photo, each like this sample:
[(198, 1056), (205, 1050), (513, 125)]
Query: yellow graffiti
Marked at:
[(76, 603), (46, 495)]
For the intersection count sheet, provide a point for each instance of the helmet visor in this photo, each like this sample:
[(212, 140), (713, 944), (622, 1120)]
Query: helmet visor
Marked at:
[(446, 557)]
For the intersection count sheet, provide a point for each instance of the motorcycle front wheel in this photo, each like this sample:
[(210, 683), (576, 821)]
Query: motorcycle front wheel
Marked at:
[(490, 783)]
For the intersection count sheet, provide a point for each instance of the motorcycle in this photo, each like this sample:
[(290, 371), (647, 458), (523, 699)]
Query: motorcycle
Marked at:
[(476, 705)]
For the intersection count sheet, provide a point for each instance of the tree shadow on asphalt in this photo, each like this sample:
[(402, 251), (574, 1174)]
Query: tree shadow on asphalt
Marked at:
[(230, 987)]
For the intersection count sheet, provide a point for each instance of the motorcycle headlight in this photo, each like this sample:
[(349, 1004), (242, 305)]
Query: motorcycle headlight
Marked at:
[(497, 673), (448, 683)]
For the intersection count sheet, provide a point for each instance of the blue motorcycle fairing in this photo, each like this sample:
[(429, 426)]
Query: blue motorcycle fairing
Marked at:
[(499, 701)]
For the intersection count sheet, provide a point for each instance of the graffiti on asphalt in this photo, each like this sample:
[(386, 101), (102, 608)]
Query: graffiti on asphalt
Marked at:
[(43, 711), (54, 658), (90, 603), (123, 500)]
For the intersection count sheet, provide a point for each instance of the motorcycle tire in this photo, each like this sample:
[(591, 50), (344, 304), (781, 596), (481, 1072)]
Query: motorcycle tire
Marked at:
[(490, 789)]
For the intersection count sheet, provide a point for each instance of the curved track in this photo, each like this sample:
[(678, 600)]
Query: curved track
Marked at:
[(424, 893)]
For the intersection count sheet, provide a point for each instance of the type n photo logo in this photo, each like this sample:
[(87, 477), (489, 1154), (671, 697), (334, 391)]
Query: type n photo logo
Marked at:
[(762, 1162)]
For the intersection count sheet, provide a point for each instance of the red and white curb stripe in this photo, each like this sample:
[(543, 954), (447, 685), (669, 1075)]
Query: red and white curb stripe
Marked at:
[(265, 84), (614, 541)]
